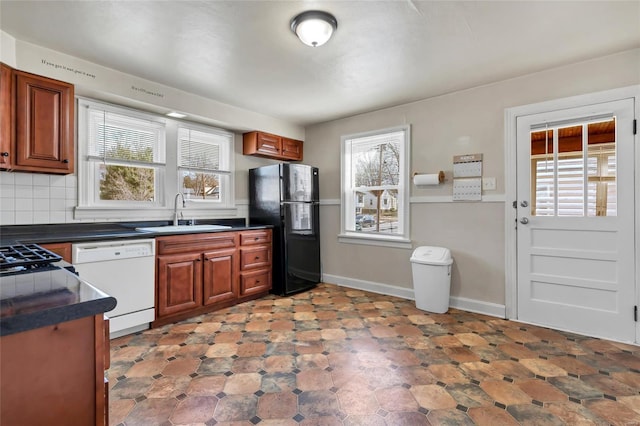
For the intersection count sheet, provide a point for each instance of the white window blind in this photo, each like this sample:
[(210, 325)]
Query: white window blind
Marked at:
[(203, 150), (124, 139)]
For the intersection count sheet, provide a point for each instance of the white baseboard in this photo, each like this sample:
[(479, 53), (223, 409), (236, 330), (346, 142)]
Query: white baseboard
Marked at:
[(373, 287), (478, 306), (470, 305)]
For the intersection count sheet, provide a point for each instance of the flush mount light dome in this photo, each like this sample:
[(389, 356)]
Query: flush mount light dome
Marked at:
[(314, 27)]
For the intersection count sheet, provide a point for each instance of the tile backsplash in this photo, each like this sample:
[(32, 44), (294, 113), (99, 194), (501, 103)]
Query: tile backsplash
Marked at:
[(37, 198)]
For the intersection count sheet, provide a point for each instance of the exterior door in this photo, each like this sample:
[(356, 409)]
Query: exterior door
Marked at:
[(575, 220)]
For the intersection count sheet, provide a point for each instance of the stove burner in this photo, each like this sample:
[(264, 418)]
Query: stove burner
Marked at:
[(26, 256)]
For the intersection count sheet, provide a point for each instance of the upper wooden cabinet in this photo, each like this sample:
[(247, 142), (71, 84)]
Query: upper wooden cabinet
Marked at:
[(268, 145), (40, 133), (6, 120)]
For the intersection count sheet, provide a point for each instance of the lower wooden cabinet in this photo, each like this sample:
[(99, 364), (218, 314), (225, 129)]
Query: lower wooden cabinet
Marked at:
[(55, 374), (198, 273), (61, 249), (179, 283), (219, 283)]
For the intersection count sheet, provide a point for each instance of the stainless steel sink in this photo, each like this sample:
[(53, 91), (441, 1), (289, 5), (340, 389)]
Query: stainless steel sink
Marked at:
[(182, 228)]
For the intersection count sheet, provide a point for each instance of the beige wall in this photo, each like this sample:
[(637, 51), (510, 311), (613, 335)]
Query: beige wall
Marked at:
[(466, 122)]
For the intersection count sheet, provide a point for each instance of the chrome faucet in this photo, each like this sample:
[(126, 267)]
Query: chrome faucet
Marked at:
[(175, 208)]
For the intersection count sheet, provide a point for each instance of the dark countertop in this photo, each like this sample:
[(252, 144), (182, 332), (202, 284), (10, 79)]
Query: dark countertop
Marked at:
[(79, 232), (50, 296)]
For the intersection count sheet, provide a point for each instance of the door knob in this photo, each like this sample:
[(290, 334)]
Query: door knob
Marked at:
[(524, 204), (524, 221)]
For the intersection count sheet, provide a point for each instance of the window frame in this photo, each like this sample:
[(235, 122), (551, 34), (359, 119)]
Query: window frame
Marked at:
[(168, 179), (225, 169), (88, 165), (348, 233)]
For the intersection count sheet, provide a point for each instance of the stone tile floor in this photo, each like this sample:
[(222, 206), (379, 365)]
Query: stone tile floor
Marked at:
[(337, 356)]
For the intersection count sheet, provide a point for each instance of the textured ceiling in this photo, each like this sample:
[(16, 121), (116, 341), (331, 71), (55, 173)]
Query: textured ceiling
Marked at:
[(383, 53)]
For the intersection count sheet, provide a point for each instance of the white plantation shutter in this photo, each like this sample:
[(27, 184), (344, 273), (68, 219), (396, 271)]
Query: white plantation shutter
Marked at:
[(570, 187)]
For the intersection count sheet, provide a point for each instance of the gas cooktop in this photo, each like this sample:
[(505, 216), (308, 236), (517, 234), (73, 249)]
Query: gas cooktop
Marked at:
[(25, 256)]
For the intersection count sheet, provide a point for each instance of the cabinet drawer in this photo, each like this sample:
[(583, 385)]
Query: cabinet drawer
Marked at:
[(195, 242), (260, 236), (255, 282), (255, 257)]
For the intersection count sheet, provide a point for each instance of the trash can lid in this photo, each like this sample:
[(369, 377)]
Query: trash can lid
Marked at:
[(432, 256)]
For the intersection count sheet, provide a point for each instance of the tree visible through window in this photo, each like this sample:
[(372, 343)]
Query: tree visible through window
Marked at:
[(125, 154), (375, 182)]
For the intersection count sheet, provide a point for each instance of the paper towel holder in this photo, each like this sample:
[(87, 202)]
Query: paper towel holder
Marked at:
[(440, 175)]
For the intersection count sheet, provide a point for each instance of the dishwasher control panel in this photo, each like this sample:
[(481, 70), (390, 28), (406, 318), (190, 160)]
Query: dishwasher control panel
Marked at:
[(104, 251)]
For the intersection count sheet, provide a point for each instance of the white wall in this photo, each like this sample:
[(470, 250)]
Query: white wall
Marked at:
[(35, 198), (466, 122)]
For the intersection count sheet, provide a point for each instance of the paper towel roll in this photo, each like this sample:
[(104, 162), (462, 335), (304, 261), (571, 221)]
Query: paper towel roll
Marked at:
[(428, 179)]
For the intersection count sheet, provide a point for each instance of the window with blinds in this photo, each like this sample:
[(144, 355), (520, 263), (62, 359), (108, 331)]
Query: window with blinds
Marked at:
[(580, 180), (203, 163), (125, 155)]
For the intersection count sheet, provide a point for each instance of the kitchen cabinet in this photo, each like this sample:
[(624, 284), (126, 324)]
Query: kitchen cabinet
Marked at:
[(56, 373), (61, 249), (38, 136), (6, 95), (255, 262), (179, 283), (268, 145), (198, 273), (218, 284)]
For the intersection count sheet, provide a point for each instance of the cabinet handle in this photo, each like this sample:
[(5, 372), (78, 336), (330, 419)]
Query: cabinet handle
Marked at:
[(4, 154), (65, 161), (255, 239), (199, 260), (257, 257), (257, 281)]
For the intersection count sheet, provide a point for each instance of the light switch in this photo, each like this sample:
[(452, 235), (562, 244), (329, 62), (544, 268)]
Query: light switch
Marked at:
[(489, 184)]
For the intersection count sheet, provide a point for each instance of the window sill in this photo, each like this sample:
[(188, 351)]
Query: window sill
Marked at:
[(111, 213), (375, 240)]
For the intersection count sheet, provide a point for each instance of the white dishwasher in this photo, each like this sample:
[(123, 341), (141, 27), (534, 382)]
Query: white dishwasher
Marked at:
[(123, 269)]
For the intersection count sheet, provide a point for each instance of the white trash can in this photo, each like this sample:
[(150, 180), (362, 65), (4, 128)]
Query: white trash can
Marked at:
[(431, 268)]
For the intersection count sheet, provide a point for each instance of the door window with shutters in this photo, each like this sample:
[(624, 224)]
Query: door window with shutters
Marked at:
[(573, 170)]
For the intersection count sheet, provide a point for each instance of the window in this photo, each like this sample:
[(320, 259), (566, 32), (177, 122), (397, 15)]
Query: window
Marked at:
[(580, 180), (131, 161), (204, 164), (123, 156), (375, 199)]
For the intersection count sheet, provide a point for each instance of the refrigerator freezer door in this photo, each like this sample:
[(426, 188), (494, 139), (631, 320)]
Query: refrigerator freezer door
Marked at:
[(301, 246), (299, 182)]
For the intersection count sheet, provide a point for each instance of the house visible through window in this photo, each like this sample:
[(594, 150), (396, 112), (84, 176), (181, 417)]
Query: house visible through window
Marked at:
[(375, 184)]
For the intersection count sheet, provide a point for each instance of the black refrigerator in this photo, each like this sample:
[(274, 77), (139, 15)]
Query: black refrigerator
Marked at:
[(286, 197)]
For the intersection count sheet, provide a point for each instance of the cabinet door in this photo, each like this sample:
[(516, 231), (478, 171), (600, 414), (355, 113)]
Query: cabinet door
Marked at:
[(269, 144), (179, 283), (44, 124), (6, 121), (219, 283), (291, 149)]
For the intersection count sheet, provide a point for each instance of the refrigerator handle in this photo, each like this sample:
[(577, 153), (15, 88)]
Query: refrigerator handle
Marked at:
[(281, 188)]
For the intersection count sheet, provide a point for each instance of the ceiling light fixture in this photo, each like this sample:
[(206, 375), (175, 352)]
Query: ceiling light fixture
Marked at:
[(175, 114), (314, 27)]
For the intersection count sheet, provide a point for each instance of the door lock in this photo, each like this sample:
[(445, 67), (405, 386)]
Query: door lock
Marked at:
[(524, 221), (524, 204)]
